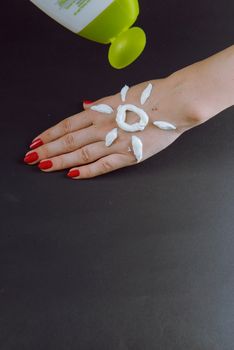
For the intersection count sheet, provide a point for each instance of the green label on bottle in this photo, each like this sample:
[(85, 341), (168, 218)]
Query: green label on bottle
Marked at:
[(76, 4), (73, 14)]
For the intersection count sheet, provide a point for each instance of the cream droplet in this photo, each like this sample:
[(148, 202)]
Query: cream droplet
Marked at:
[(164, 125), (123, 92), (102, 108), (137, 147), (121, 118), (146, 93), (111, 137)]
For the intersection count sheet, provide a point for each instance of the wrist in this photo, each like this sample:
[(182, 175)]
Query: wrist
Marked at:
[(209, 84), (185, 84)]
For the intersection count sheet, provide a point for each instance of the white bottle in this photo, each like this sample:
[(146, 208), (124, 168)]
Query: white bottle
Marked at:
[(104, 21)]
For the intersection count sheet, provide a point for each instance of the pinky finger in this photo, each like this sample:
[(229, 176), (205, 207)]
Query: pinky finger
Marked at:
[(102, 166), (87, 104)]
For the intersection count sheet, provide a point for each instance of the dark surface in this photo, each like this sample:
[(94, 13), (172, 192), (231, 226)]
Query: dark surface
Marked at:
[(142, 258)]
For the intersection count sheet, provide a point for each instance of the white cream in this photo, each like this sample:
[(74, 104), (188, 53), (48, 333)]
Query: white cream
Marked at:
[(164, 125), (102, 108), (121, 118), (111, 137), (137, 147), (121, 115), (146, 93), (123, 92)]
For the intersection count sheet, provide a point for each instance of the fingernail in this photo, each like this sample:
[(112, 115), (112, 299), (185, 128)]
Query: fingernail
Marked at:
[(87, 102), (31, 157), (34, 140), (36, 143), (73, 173), (45, 164)]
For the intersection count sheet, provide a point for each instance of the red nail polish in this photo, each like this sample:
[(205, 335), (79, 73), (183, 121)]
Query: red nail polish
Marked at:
[(34, 140), (87, 102), (73, 173), (36, 143), (45, 164), (31, 157)]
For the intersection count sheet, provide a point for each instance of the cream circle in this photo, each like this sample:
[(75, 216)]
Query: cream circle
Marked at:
[(121, 118)]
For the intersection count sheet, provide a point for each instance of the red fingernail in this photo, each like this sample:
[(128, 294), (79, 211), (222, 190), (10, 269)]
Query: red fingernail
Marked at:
[(87, 102), (34, 140), (36, 143), (45, 164), (31, 157), (73, 173)]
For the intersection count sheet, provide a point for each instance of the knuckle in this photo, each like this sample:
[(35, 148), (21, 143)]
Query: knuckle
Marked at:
[(44, 152), (85, 155), (69, 142), (49, 135), (61, 163), (88, 172), (66, 125), (106, 166)]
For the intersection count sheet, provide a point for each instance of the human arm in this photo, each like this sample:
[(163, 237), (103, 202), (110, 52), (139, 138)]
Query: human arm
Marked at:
[(185, 99)]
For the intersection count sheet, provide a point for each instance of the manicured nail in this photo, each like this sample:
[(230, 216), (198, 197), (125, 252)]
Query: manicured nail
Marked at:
[(45, 164), (36, 143), (31, 157), (87, 102), (73, 173), (35, 139)]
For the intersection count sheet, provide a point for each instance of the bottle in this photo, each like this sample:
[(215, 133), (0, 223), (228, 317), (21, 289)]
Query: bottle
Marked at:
[(103, 21)]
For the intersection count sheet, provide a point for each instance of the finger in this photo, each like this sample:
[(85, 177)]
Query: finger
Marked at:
[(101, 166), (87, 154), (73, 123), (64, 144)]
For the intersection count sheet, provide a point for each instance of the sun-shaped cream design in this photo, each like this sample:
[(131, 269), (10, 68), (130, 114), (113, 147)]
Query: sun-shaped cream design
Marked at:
[(121, 116)]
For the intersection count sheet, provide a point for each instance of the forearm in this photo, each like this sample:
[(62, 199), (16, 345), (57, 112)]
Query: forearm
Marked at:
[(210, 83)]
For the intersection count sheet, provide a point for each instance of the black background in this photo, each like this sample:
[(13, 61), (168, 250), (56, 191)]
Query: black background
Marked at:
[(141, 258)]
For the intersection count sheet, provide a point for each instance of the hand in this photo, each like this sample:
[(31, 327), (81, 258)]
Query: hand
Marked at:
[(78, 142)]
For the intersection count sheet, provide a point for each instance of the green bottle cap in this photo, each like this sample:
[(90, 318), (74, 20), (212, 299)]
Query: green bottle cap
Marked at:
[(126, 47)]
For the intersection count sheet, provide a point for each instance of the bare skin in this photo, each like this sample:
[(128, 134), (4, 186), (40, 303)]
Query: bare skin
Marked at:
[(186, 99)]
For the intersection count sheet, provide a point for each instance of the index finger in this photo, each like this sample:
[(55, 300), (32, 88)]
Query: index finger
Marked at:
[(73, 123)]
